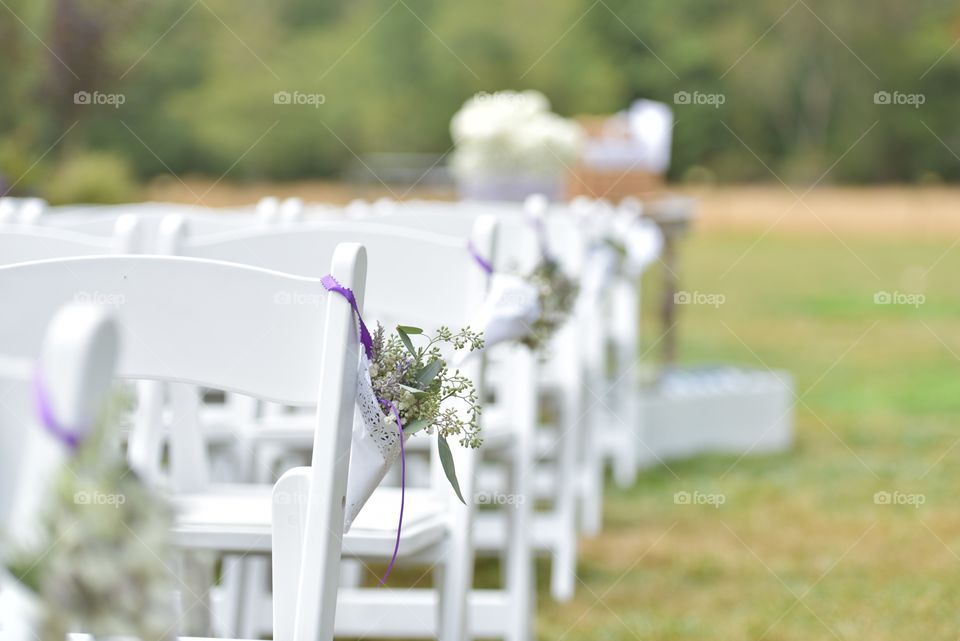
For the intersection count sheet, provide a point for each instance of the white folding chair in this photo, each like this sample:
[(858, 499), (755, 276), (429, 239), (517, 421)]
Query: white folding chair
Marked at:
[(77, 358), (415, 278), (566, 483), (507, 612), (194, 322), (618, 360)]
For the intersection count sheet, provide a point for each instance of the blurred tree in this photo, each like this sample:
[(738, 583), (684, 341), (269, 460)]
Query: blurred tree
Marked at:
[(199, 79)]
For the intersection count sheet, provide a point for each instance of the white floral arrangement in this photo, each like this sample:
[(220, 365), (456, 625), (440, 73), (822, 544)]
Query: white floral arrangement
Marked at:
[(510, 133), (556, 294), (408, 388), (97, 563)]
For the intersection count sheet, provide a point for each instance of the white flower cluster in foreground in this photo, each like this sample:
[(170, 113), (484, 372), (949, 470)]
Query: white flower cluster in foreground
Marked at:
[(511, 132)]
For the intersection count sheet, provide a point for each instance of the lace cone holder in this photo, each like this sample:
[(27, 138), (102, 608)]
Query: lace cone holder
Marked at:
[(509, 311), (375, 446)]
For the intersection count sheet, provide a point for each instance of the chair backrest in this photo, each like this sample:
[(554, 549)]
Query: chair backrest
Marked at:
[(101, 221), (564, 236), (265, 334), (415, 277), (25, 243), (74, 365), (517, 248), (203, 322)]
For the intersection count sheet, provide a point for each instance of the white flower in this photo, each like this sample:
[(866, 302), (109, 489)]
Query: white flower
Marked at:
[(510, 132)]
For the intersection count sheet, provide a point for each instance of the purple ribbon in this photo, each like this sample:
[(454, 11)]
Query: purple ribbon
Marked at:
[(483, 262), (403, 486), (70, 438), (331, 285)]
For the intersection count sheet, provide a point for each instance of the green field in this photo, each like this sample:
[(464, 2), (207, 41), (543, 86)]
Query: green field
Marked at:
[(800, 550)]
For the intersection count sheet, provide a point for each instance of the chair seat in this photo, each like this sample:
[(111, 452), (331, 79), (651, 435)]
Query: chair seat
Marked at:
[(237, 518)]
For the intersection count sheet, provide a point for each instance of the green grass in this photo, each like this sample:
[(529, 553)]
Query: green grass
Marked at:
[(799, 551)]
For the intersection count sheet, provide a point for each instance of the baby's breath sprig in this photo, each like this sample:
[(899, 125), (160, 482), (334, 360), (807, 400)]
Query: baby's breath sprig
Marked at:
[(427, 394), (98, 560)]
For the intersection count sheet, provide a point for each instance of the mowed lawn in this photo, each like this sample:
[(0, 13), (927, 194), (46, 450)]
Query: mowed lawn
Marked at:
[(800, 550)]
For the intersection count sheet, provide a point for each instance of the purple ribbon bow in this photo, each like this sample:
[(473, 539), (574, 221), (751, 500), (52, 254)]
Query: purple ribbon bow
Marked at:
[(484, 264), (67, 436), (332, 285)]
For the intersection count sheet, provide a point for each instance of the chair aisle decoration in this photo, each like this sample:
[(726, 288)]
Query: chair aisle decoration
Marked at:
[(436, 530), (512, 307), (404, 389), (66, 550), (189, 321), (534, 295)]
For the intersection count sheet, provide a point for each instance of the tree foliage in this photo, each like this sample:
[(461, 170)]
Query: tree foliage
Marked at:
[(198, 77)]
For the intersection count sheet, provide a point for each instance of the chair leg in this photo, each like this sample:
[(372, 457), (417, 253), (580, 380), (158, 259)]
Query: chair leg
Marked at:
[(564, 557), (564, 553), (255, 594), (625, 463), (519, 509), (591, 504), (231, 595), (351, 574), (563, 569), (196, 576), (457, 576)]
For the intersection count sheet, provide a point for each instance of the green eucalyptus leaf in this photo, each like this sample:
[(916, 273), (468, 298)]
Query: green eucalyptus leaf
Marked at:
[(446, 458), (412, 390), (429, 371), (409, 330), (415, 426), (405, 339)]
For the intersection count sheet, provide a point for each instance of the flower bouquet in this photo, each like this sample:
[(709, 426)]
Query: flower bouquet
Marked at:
[(95, 561), (405, 389), (510, 145), (557, 294)]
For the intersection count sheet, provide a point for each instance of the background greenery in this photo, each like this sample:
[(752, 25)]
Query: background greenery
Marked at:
[(198, 77)]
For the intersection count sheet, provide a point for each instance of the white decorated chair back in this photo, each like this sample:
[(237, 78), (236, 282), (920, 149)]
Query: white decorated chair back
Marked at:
[(194, 321), (74, 365), (414, 278), (224, 326)]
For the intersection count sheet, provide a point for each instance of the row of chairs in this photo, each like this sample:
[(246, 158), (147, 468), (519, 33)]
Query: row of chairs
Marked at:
[(235, 304)]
